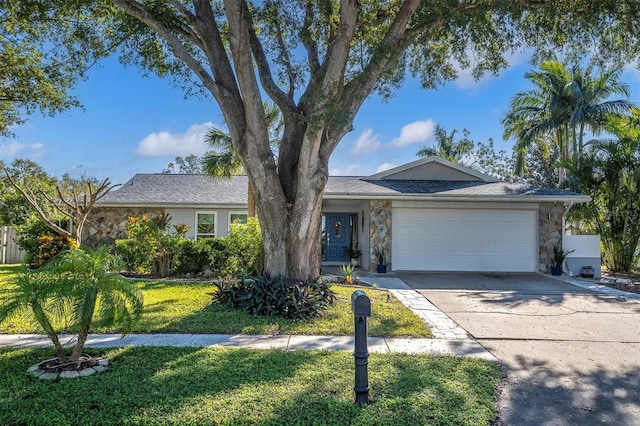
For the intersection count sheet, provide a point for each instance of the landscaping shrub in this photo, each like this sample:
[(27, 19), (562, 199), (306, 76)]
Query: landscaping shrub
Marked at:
[(127, 251), (149, 249), (267, 296), (245, 242), (221, 259), (196, 255), (165, 256), (51, 245), (40, 243)]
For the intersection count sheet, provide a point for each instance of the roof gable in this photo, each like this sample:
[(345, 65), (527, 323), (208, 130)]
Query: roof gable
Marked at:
[(432, 168)]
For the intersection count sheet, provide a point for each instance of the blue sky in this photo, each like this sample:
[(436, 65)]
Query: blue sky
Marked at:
[(135, 124)]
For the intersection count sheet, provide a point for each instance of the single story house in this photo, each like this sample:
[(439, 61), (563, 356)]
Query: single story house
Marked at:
[(427, 215)]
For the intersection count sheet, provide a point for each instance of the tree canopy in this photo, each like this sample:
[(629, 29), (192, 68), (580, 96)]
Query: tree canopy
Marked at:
[(609, 171), (318, 60), (567, 101), (45, 48)]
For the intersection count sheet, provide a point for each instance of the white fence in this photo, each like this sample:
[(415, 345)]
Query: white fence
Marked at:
[(586, 252), (10, 252)]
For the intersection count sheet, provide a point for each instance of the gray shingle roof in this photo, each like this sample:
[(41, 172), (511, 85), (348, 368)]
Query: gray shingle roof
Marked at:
[(355, 185), (202, 190), (179, 189)]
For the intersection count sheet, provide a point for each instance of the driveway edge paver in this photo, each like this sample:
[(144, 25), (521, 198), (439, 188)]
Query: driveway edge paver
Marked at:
[(441, 325), (590, 285)]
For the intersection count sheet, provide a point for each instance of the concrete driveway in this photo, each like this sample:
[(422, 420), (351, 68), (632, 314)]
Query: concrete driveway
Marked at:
[(572, 355)]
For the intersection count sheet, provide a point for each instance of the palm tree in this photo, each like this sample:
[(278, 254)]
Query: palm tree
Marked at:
[(222, 162), (609, 172), (565, 103), (33, 291), (446, 147), (78, 286), (593, 110)]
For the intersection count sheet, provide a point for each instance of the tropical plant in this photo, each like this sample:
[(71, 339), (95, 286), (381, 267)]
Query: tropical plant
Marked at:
[(610, 173), (448, 148), (50, 246), (559, 255), (353, 251), (275, 296), (35, 293), (348, 273), (380, 254), (565, 103), (79, 286), (181, 229)]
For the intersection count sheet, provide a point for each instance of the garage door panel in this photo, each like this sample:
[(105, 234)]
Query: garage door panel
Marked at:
[(464, 240)]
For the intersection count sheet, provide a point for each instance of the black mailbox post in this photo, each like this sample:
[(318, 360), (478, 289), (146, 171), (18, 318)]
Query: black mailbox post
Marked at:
[(361, 307)]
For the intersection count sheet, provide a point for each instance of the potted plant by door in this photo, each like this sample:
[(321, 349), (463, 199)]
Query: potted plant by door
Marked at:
[(559, 256), (382, 260), (354, 254)]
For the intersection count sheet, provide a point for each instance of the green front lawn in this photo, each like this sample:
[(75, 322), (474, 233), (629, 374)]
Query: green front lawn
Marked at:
[(223, 386), (179, 307)]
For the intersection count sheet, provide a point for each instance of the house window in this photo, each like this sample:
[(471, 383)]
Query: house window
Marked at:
[(205, 224), (239, 216)]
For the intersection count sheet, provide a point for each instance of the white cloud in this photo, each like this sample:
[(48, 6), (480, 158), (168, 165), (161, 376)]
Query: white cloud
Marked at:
[(350, 170), (412, 133), (15, 149), (366, 143), (165, 143), (385, 166)]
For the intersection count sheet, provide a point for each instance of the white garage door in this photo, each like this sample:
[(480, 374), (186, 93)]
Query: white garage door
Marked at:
[(463, 240)]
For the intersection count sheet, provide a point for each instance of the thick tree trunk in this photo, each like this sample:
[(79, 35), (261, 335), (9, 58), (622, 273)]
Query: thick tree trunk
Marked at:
[(291, 214), (292, 237)]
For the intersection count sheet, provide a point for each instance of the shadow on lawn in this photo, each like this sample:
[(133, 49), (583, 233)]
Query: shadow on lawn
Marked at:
[(238, 386), (143, 384)]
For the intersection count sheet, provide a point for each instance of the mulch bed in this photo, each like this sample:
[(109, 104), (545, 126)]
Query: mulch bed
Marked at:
[(624, 282), (53, 365)]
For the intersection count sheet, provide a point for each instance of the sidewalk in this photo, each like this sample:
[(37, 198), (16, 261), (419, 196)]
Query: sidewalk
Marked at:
[(450, 338), (282, 342)]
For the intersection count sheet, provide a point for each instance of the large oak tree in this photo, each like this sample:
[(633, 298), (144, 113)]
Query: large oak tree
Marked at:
[(318, 60)]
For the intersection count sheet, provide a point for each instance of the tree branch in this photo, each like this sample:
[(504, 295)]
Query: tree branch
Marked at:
[(143, 14), (33, 202), (399, 36), (283, 53), (307, 40), (228, 95), (284, 100)]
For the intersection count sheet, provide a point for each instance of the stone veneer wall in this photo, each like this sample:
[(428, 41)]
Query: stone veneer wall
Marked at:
[(107, 224), (379, 231), (549, 231)]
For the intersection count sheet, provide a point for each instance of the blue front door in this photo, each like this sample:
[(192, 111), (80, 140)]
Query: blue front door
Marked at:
[(338, 236)]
